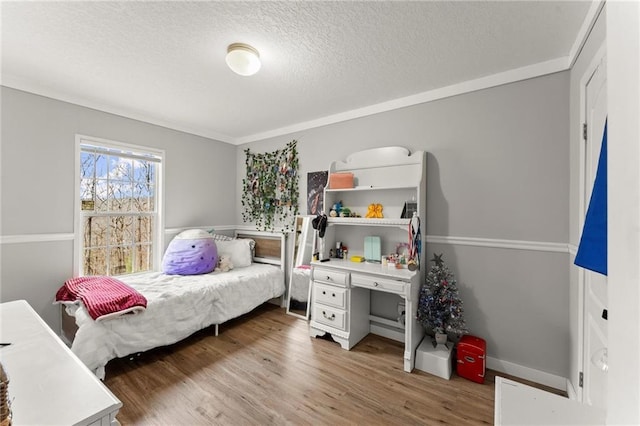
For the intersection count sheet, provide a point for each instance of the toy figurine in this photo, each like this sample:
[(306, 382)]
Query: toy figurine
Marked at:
[(374, 211)]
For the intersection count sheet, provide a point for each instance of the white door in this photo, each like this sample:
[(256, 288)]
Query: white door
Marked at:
[(595, 285)]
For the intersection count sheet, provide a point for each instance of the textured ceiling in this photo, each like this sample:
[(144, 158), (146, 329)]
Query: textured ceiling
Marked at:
[(163, 62)]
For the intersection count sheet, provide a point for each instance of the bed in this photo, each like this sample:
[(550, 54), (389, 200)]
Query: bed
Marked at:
[(179, 305)]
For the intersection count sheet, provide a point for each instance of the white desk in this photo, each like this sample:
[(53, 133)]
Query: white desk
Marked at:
[(518, 404), (48, 384), (340, 302)]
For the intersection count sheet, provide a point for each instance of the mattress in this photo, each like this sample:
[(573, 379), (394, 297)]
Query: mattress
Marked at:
[(177, 306)]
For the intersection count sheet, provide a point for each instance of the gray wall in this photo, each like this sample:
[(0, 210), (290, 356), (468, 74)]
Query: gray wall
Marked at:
[(497, 168), (37, 186)]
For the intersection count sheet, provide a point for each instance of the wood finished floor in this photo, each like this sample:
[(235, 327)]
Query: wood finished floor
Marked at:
[(264, 369)]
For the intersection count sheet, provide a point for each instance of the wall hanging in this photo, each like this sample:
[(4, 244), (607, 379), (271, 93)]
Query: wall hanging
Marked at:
[(316, 181), (270, 189)]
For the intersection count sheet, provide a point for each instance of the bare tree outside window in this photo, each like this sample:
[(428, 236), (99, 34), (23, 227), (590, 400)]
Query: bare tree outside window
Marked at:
[(117, 197)]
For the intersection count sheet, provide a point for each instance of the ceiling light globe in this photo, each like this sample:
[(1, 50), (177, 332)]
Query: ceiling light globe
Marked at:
[(243, 59)]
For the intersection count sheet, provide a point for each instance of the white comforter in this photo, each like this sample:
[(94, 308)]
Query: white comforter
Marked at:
[(177, 306)]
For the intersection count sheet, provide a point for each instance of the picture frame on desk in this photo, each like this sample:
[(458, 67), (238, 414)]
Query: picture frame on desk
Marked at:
[(410, 207)]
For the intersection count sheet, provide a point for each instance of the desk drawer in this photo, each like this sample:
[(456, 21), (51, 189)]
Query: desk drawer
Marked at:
[(376, 283), (330, 276), (332, 317), (330, 295)]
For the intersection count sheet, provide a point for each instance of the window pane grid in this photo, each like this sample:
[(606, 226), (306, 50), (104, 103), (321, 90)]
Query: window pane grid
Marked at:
[(114, 184), (118, 209), (128, 239)]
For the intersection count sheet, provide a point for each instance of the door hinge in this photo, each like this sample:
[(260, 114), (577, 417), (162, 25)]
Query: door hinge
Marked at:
[(581, 379), (584, 131)]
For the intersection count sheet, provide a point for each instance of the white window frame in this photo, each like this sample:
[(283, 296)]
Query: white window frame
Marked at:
[(158, 232)]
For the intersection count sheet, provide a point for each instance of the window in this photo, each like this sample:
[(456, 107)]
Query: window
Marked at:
[(118, 207)]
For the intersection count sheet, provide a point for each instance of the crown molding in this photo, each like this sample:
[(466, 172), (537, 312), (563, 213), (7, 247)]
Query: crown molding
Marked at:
[(506, 77), (587, 25), (499, 79), (18, 83)]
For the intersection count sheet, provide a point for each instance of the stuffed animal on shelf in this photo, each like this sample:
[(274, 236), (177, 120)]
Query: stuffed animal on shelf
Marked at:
[(225, 264), (335, 209), (374, 211), (345, 212)]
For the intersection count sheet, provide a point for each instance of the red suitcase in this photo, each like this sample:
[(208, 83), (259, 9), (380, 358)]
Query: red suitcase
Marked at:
[(471, 357)]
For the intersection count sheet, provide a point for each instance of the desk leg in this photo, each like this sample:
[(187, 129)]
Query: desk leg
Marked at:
[(413, 334)]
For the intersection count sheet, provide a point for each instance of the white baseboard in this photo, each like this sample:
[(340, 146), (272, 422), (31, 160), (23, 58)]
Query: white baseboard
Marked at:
[(388, 333), (531, 374), (571, 392), (506, 367), (386, 328)]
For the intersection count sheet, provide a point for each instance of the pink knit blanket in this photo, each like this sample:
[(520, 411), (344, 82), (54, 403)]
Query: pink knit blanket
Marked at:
[(104, 297)]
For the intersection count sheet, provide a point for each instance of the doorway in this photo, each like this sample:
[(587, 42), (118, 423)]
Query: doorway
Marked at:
[(594, 297)]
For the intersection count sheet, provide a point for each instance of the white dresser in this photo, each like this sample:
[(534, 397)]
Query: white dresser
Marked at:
[(338, 309), (48, 384)]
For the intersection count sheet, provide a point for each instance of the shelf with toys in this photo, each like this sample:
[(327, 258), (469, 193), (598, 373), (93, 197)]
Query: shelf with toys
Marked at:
[(373, 190), (388, 203)]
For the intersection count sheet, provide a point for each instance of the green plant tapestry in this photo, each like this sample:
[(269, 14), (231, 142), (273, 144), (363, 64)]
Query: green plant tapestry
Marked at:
[(270, 189)]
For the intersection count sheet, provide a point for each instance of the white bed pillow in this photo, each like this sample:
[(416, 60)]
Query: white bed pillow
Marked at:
[(238, 249), (220, 237)]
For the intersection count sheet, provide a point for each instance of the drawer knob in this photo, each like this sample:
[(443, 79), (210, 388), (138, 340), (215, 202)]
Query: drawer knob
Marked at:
[(332, 317), (375, 284), (333, 294), (328, 278), (324, 292)]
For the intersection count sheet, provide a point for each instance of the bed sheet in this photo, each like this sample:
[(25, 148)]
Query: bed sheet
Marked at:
[(177, 306)]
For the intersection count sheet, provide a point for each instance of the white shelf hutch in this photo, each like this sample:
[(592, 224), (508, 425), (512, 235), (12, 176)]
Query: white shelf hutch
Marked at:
[(341, 289)]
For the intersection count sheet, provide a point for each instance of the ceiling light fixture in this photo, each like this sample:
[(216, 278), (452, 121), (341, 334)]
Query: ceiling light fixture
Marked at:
[(243, 59)]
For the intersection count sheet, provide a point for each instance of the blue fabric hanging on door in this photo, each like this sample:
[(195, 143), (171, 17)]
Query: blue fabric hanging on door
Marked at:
[(592, 251)]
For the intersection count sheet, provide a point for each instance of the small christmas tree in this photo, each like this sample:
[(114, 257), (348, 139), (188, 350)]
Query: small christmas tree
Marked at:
[(440, 307)]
